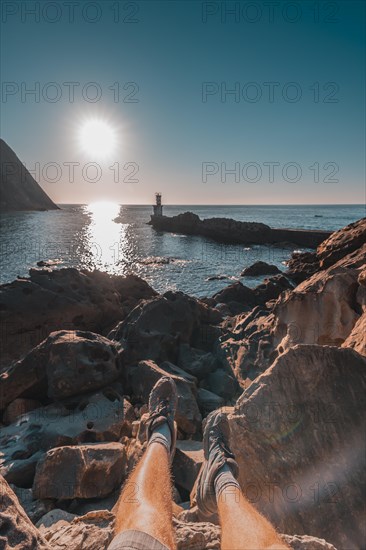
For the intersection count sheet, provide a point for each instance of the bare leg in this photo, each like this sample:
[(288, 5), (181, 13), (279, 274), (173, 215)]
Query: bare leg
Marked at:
[(145, 503), (243, 527)]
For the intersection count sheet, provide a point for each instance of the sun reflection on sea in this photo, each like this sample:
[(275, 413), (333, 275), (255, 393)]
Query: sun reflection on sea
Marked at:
[(106, 240)]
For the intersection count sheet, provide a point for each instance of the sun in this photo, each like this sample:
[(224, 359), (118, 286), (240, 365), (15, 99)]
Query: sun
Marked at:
[(97, 138)]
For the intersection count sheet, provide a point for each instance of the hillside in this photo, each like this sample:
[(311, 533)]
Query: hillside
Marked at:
[(18, 189)]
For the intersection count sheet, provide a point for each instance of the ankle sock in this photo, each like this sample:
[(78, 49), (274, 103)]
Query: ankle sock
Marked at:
[(162, 435), (224, 480)]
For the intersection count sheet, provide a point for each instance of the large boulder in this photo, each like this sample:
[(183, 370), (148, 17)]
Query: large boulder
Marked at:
[(297, 433), (208, 401), (49, 300), (221, 383), (17, 532), (155, 328), (95, 418), (324, 308), (196, 362), (143, 377), (80, 471), (67, 363), (339, 244)]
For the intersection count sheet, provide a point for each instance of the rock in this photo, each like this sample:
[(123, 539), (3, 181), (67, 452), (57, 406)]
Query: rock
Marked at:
[(271, 289), (142, 379), (93, 531), (241, 299), (306, 542), (237, 293), (196, 362), (80, 362), (341, 243), (18, 407), (34, 508), (336, 247), (231, 231), (322, 309), (302, 265), (16, 529), (19, 190), (296, 433), (221, 383), (196, 536), (84, 471), (187, 462), (208, 401), (260, 268), (98, 417), (53, 517), (155, 328), (357, 338), (67, 363), (80, 506), (247, 346), (63, 299), (177, 371)]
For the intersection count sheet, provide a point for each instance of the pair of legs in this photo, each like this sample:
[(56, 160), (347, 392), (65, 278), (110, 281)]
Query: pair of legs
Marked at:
[(145, 503)]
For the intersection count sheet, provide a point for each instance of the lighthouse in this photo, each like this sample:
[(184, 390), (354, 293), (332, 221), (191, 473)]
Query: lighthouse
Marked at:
[(158, 208)]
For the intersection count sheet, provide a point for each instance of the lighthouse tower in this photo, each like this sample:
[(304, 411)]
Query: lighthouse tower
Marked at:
[(158, 208)]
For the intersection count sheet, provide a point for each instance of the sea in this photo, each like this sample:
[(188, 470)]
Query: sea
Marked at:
[(117, 239)]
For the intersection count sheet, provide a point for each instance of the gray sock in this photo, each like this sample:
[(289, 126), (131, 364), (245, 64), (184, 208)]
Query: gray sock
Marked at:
[(162, 435), (225, 481)]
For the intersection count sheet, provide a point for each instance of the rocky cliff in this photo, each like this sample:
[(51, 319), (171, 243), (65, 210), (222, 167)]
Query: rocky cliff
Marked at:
[(231, 231), (287, 363), (18, 189)]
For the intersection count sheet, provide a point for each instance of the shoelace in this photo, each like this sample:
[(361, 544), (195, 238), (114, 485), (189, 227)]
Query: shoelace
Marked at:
[(162, 409), (219, 440)]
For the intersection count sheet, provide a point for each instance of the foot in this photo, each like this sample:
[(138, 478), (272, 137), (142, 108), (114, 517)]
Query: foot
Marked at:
[(163, 402), (217, 454)]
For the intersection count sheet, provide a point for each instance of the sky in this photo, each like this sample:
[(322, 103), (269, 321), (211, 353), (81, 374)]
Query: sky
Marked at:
[(255, 102)]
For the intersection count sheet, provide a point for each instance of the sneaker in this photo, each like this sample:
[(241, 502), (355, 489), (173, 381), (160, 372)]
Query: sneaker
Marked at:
[(217, 454), (163, 403)]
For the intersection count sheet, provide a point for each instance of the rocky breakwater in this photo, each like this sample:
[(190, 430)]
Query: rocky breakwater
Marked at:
[(73, 404), (227, 230)]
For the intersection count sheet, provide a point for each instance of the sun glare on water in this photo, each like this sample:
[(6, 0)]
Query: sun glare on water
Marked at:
[(97, 138)]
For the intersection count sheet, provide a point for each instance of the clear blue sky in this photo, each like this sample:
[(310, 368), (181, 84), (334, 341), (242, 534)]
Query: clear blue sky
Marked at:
[(170, 50)]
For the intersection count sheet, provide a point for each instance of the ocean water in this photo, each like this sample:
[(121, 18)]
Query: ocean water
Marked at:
[(87, 237)]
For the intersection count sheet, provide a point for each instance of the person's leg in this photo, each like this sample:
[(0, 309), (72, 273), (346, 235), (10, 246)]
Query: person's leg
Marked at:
[(145, 503), (145, 507), (242, 526)]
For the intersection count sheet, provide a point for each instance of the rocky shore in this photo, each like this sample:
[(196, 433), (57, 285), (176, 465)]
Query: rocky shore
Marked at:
[(231, 231), (81, 350)]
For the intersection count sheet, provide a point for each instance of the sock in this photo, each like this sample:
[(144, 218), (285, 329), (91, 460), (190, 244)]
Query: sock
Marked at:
[(224, 479), (162, 435)]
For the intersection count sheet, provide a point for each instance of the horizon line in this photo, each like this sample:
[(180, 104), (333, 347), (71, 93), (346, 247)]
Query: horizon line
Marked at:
[(208, 204)]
